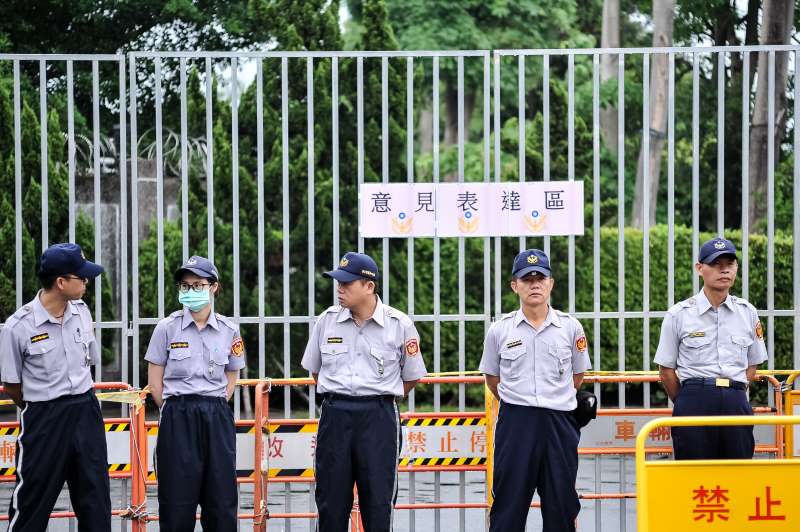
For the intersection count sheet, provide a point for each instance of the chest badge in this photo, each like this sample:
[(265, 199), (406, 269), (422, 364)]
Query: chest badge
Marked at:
[(39, 338)]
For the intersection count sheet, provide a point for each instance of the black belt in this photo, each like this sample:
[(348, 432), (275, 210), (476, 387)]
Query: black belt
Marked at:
[(717, 382), (358, 398)]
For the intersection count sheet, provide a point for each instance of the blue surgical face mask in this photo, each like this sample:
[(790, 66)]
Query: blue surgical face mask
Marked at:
[(195, 301)]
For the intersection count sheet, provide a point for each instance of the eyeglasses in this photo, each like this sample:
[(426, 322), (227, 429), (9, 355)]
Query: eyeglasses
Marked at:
[(196, 287), (75, 277)]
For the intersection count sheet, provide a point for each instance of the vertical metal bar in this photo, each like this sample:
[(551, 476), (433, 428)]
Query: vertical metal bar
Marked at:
[(771, 215), (235, 204), (43, 150), (71, 149), (134, 224), (123, 224), (462, 515), (596, 259), (695, 179), (385, 167), (521, 125), (17, 185), (621, 226), (546, 130), (159, 190), (287, 411), (360, 131), (412, 494), (210, 159), (461, 243), (796, 213), (721, 143), (98, 241), (311, 190), (311, 186), (497, 170), (746, 175), (260, 231), (437, 329), (487, 290), (646, 221), (335, 169), (670, 182), (571, 173), (184, 165)]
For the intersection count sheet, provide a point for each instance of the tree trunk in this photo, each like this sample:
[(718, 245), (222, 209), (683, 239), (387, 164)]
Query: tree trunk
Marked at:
[(663, 17), (425, 140), (609, 64), (777, 25)]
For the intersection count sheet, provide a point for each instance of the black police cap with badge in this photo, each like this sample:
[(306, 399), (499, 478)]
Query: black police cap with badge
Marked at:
[(354, 266), (66, 259)]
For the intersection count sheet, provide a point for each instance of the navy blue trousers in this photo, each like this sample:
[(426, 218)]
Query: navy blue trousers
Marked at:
[(196, 464), (358, 442), (62, 440), (709, 443), (535, 449)]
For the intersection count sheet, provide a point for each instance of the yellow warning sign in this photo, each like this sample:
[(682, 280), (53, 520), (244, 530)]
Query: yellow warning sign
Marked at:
[(739, 495)]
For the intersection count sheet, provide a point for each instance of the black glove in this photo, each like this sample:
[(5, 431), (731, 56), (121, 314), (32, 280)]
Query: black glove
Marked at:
[(586, 409)]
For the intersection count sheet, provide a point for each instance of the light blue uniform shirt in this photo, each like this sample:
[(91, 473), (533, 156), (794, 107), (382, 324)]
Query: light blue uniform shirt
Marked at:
[(194, 360), (50, 358), (536, 366), (374, 359), (698, 340)]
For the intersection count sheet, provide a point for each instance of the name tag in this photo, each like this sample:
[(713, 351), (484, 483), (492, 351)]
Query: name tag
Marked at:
[(334, 339), (515, 343), (39, 338), (178, 345)]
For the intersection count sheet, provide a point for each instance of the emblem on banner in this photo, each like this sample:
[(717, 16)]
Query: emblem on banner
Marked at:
[(468, 222), (535, 221), (402, 223)]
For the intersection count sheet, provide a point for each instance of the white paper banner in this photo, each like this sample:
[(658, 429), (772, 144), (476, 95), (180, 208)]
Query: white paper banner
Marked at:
[(401, 210)]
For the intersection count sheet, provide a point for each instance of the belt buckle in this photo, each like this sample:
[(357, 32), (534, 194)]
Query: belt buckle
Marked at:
[(723, 383)]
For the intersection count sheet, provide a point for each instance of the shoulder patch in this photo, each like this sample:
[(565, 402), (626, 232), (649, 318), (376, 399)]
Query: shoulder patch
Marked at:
[(237, 347), (18, 315), (682, 305)]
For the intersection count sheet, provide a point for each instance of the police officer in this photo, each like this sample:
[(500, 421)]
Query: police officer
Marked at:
[(363, 355), (534, 360), (47, 348), (709, 349), (195, 356)]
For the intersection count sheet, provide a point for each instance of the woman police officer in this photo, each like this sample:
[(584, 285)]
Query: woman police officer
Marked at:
[(195, 356)]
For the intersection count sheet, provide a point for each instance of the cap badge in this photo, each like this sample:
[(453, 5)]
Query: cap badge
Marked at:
[(191, 262), (344, 262), (533, 259), (719, 244)]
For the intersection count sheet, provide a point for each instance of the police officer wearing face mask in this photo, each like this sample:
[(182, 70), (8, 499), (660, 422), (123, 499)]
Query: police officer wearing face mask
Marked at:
[(534, 360), (363, 355), (47, 348), (195, 356), (710, 347)]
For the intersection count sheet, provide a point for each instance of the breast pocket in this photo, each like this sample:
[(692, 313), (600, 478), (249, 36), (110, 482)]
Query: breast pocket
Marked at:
[(384, 362), (693, 349), (560, 363), (41, 357), (180, 363), (740, 346), (512, 363), (332, 357)]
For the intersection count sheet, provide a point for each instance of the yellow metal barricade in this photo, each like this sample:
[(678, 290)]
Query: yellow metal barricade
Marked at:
[(741, 495)]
